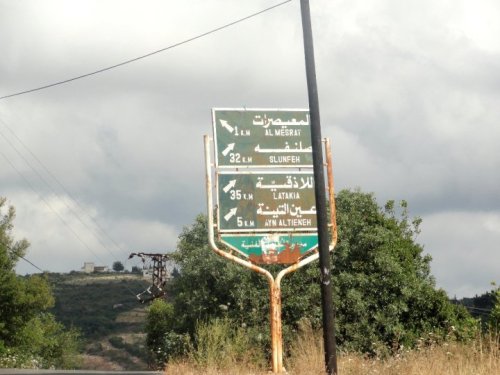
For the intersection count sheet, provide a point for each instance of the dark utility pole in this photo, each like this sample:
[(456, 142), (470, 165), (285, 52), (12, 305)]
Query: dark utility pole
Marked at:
[(319, 187)]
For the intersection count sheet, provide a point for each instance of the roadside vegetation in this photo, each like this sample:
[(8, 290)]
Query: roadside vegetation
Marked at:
[(67, 321), (391, 318), (479, 356), (30, 336), (386, 301)]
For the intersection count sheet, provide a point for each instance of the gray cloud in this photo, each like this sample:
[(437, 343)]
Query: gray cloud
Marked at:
[(409, 95)]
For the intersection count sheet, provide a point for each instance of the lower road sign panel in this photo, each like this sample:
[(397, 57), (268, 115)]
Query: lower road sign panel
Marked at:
[(266, 201), (272, 248)]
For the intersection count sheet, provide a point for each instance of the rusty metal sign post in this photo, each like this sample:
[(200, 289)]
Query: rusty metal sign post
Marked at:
[(254, 230)]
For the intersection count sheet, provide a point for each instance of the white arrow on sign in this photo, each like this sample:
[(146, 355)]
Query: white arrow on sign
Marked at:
[(231, 213), (229, 186), (230, 147), (226, 125)]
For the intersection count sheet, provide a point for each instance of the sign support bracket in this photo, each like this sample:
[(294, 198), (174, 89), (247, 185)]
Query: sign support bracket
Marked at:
[(274, 283)]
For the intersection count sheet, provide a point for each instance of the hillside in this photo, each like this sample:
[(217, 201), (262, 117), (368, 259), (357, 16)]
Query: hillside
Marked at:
[(104, 308), (478, 306)]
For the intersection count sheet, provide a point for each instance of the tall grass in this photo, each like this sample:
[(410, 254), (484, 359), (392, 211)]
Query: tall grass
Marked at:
[(225, 351), (479, 357), (220, 347)]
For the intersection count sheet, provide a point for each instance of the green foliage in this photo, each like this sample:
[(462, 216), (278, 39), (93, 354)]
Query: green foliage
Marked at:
[(162, 342), (384, 294), (29, 335), (211, 287), (221, 343), (495, 312), (47, 339), (158, 322)]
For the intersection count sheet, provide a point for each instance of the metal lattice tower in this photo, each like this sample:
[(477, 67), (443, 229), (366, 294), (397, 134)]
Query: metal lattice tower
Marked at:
[(158, 264)]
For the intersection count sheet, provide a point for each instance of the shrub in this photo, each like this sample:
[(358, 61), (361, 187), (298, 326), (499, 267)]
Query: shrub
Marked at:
[(220, 343)]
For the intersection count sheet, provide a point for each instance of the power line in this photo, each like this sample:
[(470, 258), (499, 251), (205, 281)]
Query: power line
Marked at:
[(49, 205), (148, 54), (101, 231), (98, 235), (44, 180), (62, 186), (26, 260), (53, 210), (20, 256)]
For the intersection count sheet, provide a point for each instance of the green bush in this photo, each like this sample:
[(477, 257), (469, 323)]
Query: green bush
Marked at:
[(44, 338), (384, 294), (162, 342)]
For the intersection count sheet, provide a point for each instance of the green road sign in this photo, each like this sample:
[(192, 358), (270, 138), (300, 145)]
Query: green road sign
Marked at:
[(272, 248), (266, 138), (266, 201)]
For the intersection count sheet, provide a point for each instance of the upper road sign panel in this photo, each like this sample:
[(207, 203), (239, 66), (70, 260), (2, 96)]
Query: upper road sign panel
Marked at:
[(262, 138)]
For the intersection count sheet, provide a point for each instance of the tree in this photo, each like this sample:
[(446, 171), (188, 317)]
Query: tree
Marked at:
[(384, 293), (118, 266), (27, 331)]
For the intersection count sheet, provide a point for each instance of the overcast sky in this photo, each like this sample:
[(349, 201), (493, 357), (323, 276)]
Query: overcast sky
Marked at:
[(409, 94)]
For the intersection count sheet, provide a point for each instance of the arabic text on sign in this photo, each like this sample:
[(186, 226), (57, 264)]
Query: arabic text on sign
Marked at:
[(266, 200), (262, 138)]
